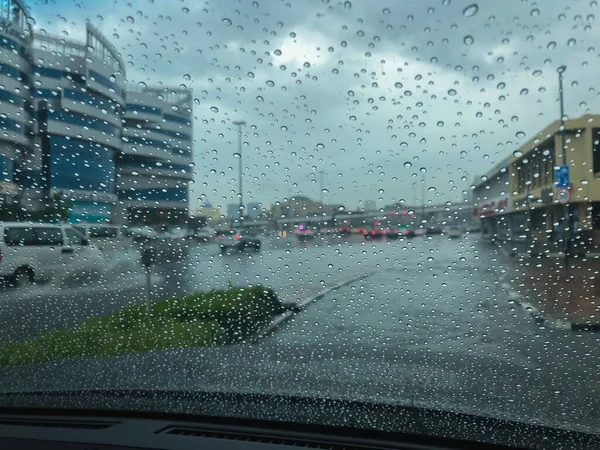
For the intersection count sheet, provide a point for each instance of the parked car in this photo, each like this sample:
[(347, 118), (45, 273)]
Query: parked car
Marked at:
[(454, 232), (82, 228), (103, 231), (239, 242), (29, 251)]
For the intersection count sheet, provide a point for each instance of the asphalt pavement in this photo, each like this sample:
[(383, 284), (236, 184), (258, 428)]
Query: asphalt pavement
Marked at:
[(432, 325)]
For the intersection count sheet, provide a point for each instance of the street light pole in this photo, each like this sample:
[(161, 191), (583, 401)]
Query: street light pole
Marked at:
[(321, 186), (415, 196), (239, 124), (423, 199), (566, 221)]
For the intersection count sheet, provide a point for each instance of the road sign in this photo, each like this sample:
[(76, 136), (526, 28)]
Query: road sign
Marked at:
[(564, 196), (562, 177)]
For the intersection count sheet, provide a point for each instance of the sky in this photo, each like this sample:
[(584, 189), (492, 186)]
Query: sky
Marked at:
[(384, 97)]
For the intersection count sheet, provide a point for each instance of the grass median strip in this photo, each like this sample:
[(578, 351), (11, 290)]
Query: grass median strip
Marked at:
[(206, 318)]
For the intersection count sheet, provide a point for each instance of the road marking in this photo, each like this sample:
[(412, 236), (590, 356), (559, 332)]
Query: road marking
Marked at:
[(300, 306)]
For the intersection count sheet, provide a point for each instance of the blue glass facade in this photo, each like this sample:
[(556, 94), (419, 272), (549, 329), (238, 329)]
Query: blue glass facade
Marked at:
[(7, 169), (81, 165), (106, 82), (84, 121), (143, 109), (90, 212), (155, 165)]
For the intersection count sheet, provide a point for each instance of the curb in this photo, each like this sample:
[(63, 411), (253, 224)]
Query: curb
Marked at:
[(299, 307), (542, 320)]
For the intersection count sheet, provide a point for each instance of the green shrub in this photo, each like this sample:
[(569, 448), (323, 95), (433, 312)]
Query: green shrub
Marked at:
[(205, 318)]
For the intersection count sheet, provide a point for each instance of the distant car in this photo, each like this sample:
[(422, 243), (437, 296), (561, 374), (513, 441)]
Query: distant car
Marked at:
[(434, 230), (239, 242), (205, 234), (454, 232), (392, 233), (304, 233), (409, 232), (373, 233), (420, 232), (178, 233), (224, 232)]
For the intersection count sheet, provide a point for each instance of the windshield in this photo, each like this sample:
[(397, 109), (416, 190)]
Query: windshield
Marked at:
[(392, 202)]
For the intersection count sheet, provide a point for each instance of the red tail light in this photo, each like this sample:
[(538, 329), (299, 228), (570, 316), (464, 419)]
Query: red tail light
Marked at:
[(372, 232)]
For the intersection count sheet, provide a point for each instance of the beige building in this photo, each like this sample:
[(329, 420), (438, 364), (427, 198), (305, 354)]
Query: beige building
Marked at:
[(300, 206), (212, 214), (525, 184)]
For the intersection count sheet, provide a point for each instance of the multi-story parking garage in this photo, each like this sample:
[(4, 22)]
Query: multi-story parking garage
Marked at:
[(71, 129), (156, 165)]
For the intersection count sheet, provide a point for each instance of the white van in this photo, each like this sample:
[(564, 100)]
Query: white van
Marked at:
[(30, 251)]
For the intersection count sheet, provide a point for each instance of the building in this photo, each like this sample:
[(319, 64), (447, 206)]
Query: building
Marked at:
[(301, 206), (77, 125), (156, 162), (531, 207), (253, 210), (63, 136), (16, 34), (233, 211), (491, 202), (208, 211), (370, 205)]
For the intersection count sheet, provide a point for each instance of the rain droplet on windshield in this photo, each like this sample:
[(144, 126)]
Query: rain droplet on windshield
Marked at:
[(471, 10)]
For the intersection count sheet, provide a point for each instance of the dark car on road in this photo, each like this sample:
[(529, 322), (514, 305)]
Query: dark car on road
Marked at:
[(433, 230), (239, 242)]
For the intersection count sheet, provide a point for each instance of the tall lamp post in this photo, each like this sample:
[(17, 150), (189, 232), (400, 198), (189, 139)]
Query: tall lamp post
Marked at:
[(239, 124), (566, 224), (321, 172), (423, 199)]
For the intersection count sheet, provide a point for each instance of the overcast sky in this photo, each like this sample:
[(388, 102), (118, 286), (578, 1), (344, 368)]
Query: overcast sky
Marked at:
[(370, 92)]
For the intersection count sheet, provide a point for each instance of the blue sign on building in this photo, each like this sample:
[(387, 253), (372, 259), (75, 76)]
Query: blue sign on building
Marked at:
[(562, 177)]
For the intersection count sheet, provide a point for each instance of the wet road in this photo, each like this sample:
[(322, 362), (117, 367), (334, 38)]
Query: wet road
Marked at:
[(433, 326), (295, 270)]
